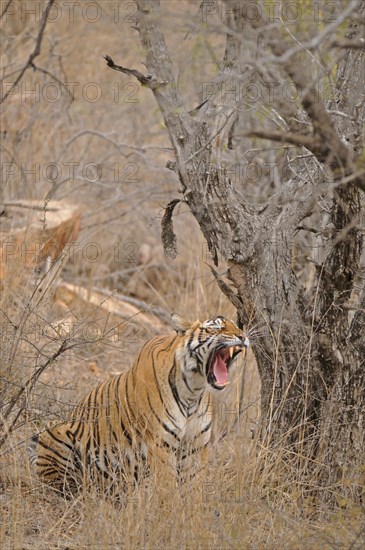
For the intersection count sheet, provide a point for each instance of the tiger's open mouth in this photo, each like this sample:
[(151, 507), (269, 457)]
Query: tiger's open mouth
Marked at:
[(219, 364)]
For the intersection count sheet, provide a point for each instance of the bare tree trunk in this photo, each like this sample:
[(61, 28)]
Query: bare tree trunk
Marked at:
[(311, 358)]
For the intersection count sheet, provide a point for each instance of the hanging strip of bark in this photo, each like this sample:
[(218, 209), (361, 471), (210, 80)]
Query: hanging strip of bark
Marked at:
[(168, 236)]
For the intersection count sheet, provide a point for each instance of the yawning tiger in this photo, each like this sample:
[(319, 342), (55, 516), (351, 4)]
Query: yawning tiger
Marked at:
[(157, 415)]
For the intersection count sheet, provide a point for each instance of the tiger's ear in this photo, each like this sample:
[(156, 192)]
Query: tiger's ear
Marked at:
[(179, 324)]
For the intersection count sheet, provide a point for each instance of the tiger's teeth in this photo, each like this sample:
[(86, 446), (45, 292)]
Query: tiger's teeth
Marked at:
[(230, 352)]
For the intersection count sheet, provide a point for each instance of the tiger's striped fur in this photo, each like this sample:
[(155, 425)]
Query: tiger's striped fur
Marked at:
[(157, 415)]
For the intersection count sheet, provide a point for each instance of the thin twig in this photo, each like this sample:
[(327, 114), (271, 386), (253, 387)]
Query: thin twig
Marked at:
[(5, 9), (27, 387), (48, 73), (35, 53)]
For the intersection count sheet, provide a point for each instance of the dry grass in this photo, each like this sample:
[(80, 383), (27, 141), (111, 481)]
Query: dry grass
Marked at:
[(251, 497), (242, 503)]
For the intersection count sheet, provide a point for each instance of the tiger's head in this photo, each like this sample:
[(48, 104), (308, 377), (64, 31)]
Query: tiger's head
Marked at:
[(210, 347)]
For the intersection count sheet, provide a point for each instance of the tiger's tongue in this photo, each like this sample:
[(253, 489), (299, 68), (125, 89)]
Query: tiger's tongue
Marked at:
[(219, 368)]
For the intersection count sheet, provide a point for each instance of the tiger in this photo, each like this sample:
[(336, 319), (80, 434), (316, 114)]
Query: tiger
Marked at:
[(156, 416)]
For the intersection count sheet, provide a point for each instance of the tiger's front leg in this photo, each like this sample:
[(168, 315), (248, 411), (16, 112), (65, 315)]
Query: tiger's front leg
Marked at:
[(176, 477), (192, 469), (164, 467)]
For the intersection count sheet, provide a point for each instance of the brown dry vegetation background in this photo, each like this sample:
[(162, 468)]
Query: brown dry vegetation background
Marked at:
[(105, 150)]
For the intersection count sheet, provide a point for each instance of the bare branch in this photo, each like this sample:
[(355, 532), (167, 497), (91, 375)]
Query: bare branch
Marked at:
[(5, 9), (319, 150), (36, 51), (331, 150), (179, 123), (144, 80), (348, 43), (53, 77), (284, 137), (316, 41)]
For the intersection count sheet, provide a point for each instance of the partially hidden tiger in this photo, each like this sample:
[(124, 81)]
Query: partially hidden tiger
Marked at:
[(156, 416)]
